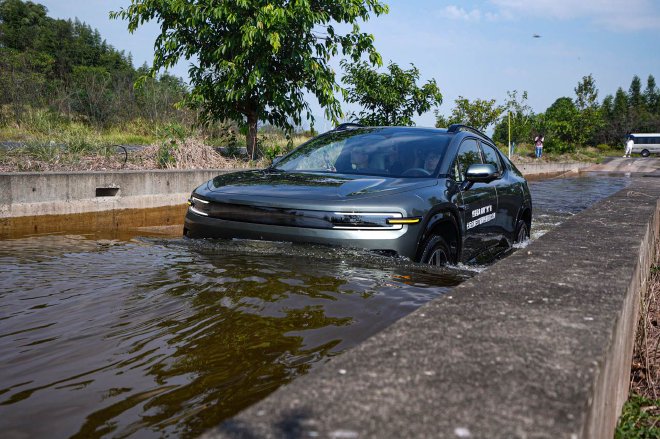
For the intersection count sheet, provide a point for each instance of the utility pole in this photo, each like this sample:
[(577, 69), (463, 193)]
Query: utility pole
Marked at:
[(509, 134)]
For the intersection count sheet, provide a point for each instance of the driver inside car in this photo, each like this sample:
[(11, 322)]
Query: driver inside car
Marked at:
[(359, 158), (431, 161)]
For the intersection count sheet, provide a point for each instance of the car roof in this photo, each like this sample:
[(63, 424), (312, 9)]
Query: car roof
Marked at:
[(454, 129)]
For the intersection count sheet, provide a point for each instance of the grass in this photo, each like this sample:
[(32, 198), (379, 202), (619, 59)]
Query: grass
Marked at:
[(43, 126), (49, 142), (640, 417), (525, 153)]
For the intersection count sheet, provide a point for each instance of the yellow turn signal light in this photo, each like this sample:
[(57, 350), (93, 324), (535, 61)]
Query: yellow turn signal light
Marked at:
[(413, 220)]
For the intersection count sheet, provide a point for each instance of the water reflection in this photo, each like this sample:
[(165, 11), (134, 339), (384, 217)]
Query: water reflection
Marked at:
[(105, 337)]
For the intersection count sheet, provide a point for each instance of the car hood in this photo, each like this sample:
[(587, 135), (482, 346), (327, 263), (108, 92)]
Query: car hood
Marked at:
[(309, 186)]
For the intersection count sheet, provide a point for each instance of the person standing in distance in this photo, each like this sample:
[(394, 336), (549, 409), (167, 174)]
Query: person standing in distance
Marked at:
[(629, 146), (538, 142)]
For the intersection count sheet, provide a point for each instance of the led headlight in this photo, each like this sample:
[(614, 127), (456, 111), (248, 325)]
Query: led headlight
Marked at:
[(364, 220), (198, 206)]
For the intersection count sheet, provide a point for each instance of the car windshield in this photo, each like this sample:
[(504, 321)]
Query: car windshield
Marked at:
[(392, 152)]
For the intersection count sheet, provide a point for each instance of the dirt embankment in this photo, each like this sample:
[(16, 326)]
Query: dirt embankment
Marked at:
[(189, 154), (645, 370)]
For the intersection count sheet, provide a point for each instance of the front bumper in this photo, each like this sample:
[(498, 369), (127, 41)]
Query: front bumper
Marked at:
[(402, 241)]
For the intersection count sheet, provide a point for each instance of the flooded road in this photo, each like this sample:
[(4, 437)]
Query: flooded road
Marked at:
[(147, 336)]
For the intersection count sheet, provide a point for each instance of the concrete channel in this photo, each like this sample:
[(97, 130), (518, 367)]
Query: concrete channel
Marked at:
[(539, 345), (49, 202)]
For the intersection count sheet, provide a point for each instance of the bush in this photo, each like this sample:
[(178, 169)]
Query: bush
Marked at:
[(173, 134), (639, 419), (558, 146)]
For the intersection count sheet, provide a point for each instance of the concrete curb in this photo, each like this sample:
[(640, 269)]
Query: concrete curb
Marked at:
[(539, 346), (549, 169), (32, 194)]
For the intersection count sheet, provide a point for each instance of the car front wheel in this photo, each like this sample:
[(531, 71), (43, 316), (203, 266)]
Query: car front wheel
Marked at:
[(436, 252), (522, 232), (645, 153)]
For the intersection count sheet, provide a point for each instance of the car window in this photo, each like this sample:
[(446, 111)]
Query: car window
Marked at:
[(468, 154), (491, 156), (391, 152)]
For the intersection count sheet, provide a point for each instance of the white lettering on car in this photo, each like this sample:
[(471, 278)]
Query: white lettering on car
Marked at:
[(480, 220), (482, 210)]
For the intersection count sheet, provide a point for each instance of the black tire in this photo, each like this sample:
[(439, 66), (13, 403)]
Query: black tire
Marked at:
[(436, 252), (522, 232), (645, 153)]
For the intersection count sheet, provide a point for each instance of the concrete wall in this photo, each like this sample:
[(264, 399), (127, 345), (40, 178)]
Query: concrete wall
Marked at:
[(30, 194), (537, 346), (544, 169)]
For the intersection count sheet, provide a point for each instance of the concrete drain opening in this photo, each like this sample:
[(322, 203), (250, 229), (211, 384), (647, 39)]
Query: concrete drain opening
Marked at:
[(107, 191)]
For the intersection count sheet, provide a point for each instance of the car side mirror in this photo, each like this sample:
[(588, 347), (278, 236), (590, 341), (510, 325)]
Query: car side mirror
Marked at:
[(481, 173)]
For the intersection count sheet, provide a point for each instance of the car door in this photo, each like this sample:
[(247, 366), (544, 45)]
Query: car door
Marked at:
[(509, 197), (479, 203)]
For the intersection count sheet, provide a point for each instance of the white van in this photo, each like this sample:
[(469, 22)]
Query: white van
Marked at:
[(645, 144)]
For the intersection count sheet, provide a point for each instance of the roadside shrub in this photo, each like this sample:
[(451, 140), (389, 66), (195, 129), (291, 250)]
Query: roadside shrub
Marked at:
[(172, 134), (165, 156), (555, 145), (270, 152), (639, 419)]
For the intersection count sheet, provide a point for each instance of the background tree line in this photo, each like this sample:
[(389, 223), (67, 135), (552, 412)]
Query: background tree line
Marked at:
[(68, 67), (256, 60), (569, 123)]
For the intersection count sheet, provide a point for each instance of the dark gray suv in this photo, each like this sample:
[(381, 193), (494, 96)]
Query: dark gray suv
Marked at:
[(433, 195)]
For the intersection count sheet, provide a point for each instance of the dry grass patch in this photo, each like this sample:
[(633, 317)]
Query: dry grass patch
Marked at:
[(188, 153)]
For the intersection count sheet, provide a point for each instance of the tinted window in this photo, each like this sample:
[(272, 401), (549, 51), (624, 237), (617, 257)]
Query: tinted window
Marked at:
[(468, 154), (491, 156), (399, 153), (646, 140)]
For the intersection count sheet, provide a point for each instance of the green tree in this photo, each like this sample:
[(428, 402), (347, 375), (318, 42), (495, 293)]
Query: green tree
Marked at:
[(589, 119), (24, 26), (93, 95), (606, 133), (256, 58), (23, 79), (156, 97), (620, 111), (637, 106), (635, 98), (559, 125), (388, 98), (652, 96), (21, 24), (479, 113), (586, 93), (522, 117)]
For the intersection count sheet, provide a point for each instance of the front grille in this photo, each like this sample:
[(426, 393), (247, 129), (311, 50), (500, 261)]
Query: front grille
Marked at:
[(314, 219)]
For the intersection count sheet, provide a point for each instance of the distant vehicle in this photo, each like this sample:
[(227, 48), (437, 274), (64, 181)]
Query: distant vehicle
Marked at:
[(646, 143), (436, 196)]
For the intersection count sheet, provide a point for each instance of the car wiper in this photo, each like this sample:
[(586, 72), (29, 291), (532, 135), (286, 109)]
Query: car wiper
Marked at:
[(271, 170)]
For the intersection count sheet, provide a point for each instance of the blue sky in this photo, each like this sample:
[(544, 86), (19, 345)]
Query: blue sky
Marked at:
[(474, 49)]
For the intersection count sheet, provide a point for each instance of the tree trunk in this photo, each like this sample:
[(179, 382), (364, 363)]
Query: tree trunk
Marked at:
[(251, 136)]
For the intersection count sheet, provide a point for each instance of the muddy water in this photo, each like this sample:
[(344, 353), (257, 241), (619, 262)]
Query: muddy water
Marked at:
[(557, 199), (142, 335)]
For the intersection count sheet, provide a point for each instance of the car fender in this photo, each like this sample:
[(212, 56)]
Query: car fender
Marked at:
[(440, 215)]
